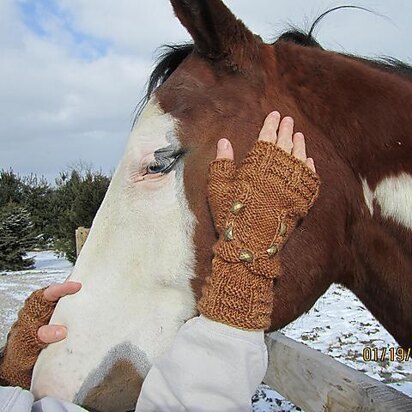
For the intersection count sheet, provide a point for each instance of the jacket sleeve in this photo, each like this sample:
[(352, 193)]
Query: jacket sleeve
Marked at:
[(15, 399), (210, 367)]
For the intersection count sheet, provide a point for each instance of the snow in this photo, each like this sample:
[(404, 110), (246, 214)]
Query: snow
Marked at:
[(15, 287), (338, 325)]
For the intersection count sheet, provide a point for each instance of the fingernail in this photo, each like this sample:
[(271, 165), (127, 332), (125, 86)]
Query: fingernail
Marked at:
[(60, 333), (275, 114), (223, 144)]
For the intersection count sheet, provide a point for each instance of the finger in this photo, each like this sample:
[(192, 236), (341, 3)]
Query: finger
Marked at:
[(270, 128), (310, 164), (224, 150), (299, 146), (223, 168), (285, 134), (221, 174), (51, 333), (54, 292)]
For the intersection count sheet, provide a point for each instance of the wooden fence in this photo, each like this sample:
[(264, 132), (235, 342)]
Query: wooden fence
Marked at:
[(316, 382), (81, 236)]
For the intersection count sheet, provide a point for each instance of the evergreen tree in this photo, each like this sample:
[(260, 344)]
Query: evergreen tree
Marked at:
[(37, 199), (77, 198), (33, 194), (11, 188), (16, 237), (34, 214)]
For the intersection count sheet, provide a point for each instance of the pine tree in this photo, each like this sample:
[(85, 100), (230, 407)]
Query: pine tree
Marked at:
[(16, 237), (35, 214), (37, 198), (11, 188), (77, 198), (33, 194)]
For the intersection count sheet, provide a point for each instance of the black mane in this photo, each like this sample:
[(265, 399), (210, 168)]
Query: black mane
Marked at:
[(387, 64), (173, 55), (168, 61)]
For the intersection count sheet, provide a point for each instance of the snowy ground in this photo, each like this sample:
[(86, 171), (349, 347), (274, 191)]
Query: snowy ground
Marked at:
[(16, 286), (339, 325)]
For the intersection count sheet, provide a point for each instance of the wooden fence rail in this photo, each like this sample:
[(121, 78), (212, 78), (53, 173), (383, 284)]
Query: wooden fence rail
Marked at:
[(81, 236), (316, 382)]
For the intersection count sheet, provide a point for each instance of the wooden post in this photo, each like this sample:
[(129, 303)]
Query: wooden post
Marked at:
[(81, 236), (316, 382)]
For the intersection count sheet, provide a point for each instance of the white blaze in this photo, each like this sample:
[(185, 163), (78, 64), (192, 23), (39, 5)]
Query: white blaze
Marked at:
[(394, 196), (135, 268)]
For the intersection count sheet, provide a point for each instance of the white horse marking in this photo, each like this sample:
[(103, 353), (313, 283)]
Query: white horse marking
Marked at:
[(394, 196), (135, 267)]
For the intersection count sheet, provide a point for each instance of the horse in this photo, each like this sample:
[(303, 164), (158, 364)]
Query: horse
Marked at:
[(150, 246)]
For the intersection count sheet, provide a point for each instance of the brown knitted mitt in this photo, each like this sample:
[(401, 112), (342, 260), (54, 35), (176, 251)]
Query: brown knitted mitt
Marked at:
[(255, 209), (23, 347)]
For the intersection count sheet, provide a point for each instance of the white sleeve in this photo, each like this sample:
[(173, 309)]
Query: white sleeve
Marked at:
[(210, 367), (15, 399)]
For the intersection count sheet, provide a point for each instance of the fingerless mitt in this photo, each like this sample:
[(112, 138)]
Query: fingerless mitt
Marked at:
[(23, 347), (255, 209)]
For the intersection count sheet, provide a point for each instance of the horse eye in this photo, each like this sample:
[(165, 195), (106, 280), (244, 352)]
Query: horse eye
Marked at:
[(161, 165)]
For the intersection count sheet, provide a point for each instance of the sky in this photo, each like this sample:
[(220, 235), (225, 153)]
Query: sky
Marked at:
[(72, 71)]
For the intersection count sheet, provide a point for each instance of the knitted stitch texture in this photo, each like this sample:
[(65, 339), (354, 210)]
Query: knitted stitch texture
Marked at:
[(23, 347), (255, 209)]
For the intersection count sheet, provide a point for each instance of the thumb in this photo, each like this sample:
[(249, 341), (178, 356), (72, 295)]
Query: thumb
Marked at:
[(224, 150), (51, 333), (221, 174)]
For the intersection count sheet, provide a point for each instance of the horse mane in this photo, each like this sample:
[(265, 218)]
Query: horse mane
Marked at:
[(173, 55), (387, 63)]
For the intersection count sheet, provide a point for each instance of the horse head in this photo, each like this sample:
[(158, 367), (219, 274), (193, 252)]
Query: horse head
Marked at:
[(150, 246)]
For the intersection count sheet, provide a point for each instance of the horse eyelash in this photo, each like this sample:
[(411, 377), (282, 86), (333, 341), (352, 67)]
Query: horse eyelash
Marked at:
[(172, 158)]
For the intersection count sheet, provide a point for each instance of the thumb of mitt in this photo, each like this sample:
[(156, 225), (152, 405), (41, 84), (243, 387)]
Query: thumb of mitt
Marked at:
[(221, 174)]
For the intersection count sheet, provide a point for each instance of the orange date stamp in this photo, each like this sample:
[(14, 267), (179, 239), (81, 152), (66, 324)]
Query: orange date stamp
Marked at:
[(390, 354)]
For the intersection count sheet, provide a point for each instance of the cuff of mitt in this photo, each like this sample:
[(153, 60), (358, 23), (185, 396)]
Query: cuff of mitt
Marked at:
[(234, 296)]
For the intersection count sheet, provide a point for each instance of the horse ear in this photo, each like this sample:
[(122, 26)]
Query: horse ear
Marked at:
[(217, 33)]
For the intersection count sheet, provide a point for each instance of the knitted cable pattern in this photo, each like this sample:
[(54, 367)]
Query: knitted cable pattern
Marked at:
[(23, 347), (255, 209)]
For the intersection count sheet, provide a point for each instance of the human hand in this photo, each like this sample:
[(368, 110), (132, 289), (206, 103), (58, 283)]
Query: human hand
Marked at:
[(255, 209), (279, 133), (31, 333), (284, 178), (55, 333), (223, 174)]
